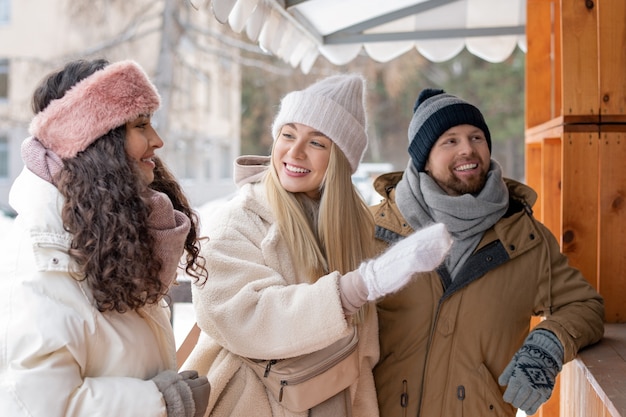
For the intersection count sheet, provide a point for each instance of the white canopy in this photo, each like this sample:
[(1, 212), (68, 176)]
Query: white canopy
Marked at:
[(297, 31)]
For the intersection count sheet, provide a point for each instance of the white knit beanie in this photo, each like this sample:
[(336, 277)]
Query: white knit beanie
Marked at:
[(335, 106)]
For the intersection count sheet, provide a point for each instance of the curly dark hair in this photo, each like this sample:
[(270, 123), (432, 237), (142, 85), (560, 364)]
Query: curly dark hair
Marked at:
[(107, 216)]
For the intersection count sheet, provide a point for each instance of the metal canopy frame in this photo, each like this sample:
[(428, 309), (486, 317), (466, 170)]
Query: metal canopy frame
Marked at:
[(297, 32), (355, 33)]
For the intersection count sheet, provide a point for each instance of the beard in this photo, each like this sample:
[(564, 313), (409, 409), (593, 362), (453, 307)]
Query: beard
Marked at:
[(455, 186)]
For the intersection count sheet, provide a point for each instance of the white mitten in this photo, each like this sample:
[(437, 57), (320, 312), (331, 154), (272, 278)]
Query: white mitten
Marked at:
[(421, 251)]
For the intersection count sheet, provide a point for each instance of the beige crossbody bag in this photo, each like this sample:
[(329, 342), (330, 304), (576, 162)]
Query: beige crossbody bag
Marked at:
[(302, 382)]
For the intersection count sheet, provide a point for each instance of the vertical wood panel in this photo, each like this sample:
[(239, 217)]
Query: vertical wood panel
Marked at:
[(539, 62), (580, 58), (533, 174), (557, 45), (550, 189), (580, 201), (612, 241), (579, 397), (551, 184), (612, 59)]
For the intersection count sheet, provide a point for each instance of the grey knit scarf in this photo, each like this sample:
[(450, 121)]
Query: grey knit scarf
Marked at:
[(422, 202)]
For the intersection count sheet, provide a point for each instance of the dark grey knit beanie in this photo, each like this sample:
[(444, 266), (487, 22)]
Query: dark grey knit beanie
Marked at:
[(434, 112)]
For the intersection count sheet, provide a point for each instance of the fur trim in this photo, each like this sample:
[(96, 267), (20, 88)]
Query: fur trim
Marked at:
[(109, 98)]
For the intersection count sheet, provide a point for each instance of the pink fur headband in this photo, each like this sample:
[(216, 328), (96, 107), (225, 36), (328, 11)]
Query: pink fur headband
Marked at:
[(108, 98)]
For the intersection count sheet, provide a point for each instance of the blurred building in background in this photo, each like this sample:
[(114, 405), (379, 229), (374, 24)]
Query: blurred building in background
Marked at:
[(181, 48)]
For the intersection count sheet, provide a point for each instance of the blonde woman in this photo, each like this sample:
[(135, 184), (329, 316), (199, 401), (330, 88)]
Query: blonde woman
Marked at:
[(288, 268)]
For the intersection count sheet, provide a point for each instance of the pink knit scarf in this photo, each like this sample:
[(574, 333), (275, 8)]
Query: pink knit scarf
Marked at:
[(41, 161)]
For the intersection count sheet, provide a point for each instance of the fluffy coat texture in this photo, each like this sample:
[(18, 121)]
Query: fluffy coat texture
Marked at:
[(60, 355), (261, 307), (466, 331), (109, 98)]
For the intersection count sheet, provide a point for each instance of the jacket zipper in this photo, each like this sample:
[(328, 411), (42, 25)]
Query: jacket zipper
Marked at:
[(460, 395), (327, 365), (430, 340), (404, 398), (268, 367)]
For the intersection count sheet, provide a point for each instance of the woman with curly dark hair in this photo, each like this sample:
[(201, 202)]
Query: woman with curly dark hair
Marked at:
[(104, 226)]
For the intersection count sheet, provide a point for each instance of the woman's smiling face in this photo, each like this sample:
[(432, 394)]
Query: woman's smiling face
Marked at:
[(141, 142), (300, 157)]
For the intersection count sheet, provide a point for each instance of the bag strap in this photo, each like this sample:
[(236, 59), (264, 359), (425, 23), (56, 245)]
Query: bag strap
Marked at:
[(348, 399), (188, 344)]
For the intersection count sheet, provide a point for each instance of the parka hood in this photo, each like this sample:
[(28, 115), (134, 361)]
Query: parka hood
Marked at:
[(250, 169)]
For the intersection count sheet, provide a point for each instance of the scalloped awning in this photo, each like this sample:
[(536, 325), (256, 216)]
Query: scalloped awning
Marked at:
[(298, 31)]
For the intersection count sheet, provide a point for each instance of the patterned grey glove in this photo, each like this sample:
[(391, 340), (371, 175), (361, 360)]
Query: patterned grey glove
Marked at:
[(531, 373)]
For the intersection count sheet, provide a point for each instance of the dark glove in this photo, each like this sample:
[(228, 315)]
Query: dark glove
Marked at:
[(177, 394), (200, 390), (531, 373)]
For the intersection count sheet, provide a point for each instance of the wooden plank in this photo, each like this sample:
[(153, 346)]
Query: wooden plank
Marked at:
[(559, 125), (553, 127), (557, 46), (612, 225), (579, 393), (579, 45), (551, 184), (539, 62), (603, 368), (612, 60), (532, 170), (579, 239)]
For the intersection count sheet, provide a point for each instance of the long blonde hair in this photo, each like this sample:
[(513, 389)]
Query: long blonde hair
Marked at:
[(344, 236)]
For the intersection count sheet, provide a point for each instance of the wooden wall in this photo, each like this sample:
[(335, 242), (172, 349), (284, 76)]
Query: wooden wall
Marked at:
[(576, 138), (576, 135)]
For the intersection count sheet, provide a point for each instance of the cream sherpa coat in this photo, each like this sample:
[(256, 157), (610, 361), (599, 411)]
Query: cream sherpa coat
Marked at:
[(256, 304)]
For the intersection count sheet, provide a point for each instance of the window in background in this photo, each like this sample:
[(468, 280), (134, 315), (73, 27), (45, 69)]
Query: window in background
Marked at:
[(4, 77), (225, 168), (207, 165), (5, 12), (4, 157)]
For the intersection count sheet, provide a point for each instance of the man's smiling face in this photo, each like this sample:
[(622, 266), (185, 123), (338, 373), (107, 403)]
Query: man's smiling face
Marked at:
[(460, 159)]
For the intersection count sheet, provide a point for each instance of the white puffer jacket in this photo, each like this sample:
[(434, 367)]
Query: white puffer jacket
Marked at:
[(60, 356)]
